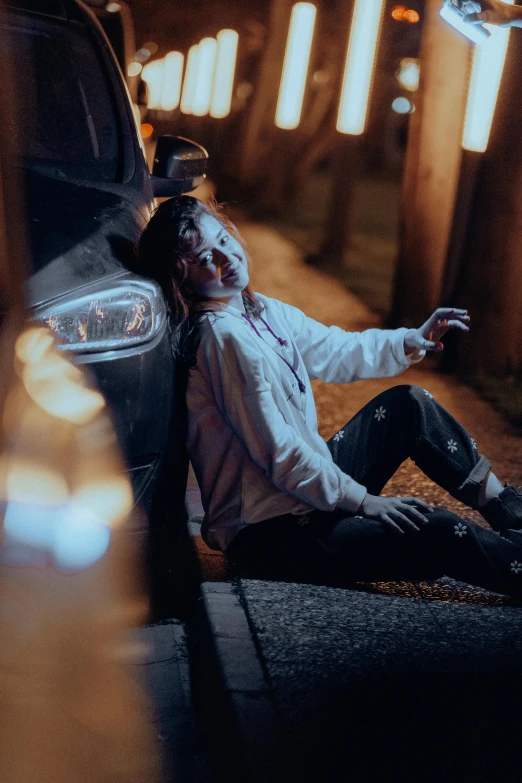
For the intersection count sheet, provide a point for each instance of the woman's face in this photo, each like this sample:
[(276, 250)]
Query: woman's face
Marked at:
[(217, 267)]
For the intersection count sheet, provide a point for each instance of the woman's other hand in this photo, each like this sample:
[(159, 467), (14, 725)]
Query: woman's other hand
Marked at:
[(490, 11), (428, 336), (400, 515)]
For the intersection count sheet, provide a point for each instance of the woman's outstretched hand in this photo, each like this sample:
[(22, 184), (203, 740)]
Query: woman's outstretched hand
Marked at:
[(398, 514), (428, 337), (491, 11)]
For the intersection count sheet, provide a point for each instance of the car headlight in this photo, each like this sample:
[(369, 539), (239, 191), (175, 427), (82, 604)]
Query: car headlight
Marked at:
[(122, 315)]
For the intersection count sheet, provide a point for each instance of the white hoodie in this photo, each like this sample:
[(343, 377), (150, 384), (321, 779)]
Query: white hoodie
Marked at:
[(252, 434)]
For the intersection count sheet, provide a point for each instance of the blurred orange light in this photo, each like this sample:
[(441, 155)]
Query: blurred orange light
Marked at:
[(146, 130), (398, 12), (411, 16), (52, 382)]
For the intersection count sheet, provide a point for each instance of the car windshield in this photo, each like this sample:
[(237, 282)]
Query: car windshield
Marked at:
[(67, 122)]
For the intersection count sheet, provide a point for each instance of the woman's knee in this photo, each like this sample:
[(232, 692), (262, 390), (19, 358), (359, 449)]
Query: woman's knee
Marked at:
[(404, 395), (442, 522), (419, 394)]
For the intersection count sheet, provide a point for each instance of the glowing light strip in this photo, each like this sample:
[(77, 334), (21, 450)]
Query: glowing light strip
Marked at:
[(359, 67), (172, 77), (227, 41), (203, 89), (152, 75), (488, 64), (295, 68), (191, 78)]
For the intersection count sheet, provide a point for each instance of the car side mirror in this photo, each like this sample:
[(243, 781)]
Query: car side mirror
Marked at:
[(179, 166)]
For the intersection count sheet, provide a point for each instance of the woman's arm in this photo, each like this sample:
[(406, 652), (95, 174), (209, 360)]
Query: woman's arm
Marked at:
[(337, 356)]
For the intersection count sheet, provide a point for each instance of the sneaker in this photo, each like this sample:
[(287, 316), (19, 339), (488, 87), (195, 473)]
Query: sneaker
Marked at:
[(505, 511)]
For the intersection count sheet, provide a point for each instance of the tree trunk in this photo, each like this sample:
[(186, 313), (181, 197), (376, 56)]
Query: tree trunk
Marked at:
[(432, 169)]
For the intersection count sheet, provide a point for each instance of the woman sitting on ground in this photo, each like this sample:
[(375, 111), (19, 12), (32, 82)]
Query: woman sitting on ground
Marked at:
[(279, 500)]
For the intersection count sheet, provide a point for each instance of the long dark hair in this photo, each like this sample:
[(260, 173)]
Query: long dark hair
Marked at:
[(164, 249)]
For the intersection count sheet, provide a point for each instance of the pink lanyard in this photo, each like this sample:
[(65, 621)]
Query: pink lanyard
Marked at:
[(284, 343)]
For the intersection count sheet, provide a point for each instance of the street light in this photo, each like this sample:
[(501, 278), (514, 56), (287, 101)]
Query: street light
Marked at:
[(172, 76), (359, 67), (488, 64), (227, 41), (152, 75), (191, 77), (205, 74), (295, 68)]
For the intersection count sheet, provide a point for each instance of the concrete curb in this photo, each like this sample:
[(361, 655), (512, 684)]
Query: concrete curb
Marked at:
[(244, 682), (232, 693)]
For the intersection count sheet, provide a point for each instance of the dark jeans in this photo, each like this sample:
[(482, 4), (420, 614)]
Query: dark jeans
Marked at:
[(328, 547)]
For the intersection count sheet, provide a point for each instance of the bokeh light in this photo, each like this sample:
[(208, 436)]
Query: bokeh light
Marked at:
[(486, 73), (152, 75), (402, 105), (134, 69), (190, 81), (205, 77), (359, 66), (408, 74), (227, 42), (172, 78), (295, 68)]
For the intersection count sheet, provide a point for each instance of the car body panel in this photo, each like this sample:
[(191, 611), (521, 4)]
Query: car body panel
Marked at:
[(82, 233)]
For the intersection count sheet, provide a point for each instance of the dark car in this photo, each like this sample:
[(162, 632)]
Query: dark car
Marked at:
[(89, 194)]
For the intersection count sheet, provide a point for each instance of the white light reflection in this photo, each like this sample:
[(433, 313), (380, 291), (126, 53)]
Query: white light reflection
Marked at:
[(359, 67), (488, 65), (295, 68)]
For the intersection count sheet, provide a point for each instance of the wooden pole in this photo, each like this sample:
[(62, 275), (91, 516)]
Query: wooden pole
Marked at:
[(258, 129), (491, 271), (432, 167)]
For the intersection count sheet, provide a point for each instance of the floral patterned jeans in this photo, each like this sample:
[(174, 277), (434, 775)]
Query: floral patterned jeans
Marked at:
[(335, 547)]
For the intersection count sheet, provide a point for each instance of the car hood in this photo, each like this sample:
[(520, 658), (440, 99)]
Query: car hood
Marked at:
[(78, 233)]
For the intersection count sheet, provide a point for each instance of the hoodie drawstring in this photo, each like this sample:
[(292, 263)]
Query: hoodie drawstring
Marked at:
[(284, 343), (279, 339)]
